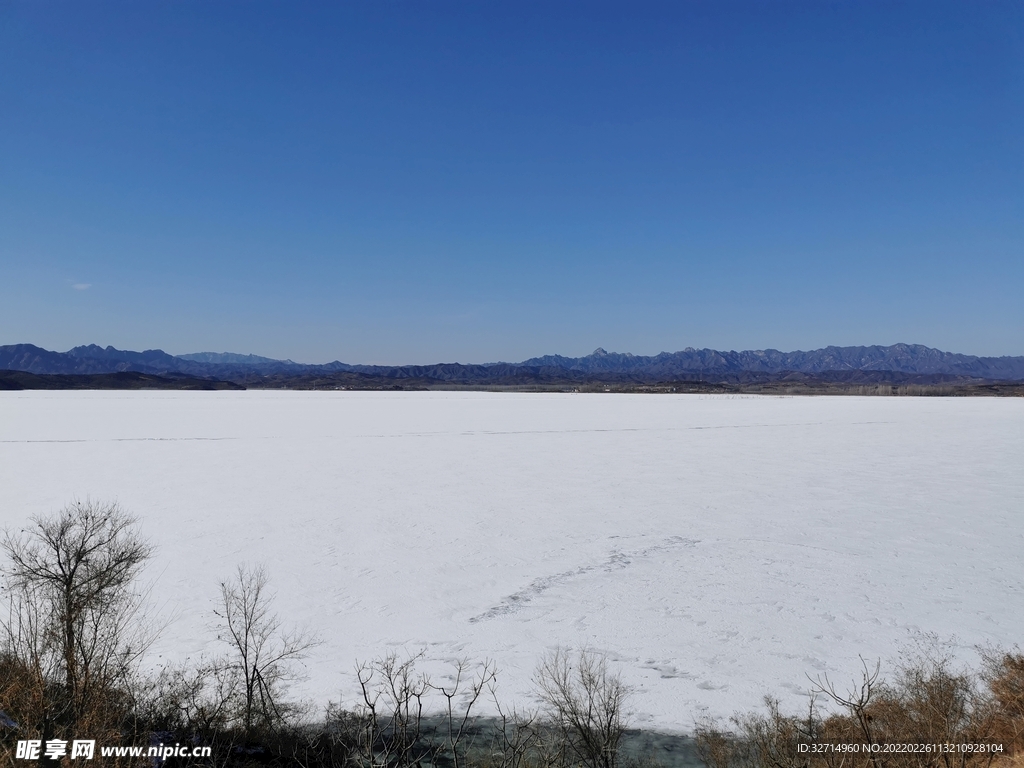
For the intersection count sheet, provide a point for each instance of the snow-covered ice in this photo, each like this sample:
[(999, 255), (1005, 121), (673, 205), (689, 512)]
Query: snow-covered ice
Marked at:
[(716, 548)]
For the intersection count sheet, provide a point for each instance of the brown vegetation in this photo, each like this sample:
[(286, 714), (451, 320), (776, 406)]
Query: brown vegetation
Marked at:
[(929, 715)]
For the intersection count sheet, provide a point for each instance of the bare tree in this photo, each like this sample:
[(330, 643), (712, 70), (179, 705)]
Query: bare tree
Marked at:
[(394, 695), (517, 735), (393, 727), (587, 702), (468, 687), (72, 607), (262, 651), (859, 703)]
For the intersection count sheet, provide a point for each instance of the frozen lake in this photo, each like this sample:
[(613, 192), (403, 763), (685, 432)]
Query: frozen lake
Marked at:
[(716, 548)]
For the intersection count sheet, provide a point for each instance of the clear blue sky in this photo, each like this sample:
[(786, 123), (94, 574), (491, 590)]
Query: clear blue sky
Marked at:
[(409, 182)]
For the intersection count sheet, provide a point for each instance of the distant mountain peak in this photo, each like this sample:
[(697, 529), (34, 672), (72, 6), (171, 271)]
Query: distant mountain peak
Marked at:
[(86, 350)]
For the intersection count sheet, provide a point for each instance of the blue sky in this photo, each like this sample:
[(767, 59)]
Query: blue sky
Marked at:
[(411, 182)]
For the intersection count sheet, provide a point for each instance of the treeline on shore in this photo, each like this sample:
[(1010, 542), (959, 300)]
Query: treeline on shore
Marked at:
[(857, 383), (75, 630)]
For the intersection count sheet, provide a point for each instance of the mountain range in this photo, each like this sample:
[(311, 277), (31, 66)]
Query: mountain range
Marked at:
[(907, 360)]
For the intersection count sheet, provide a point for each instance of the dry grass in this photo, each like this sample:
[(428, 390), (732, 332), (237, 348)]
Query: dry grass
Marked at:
[(926, 702)]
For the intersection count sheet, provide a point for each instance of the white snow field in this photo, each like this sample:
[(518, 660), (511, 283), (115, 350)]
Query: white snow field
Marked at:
[(716, 548)]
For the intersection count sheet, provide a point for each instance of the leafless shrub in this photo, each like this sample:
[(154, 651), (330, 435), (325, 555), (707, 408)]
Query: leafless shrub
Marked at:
[(517, 738), (1003, 674), (192, 698), (766, 739), (586, 702), (927, 701), (391, 719), (718, 747), (460, 696)]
